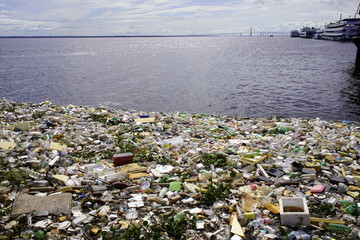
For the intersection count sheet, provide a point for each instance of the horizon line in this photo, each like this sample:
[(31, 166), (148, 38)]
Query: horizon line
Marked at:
[(261, 34)]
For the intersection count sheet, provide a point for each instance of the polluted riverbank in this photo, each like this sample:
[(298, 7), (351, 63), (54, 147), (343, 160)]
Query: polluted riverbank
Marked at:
[(82, 172)]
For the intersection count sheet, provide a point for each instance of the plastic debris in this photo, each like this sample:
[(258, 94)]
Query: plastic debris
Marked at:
[(80, 172)]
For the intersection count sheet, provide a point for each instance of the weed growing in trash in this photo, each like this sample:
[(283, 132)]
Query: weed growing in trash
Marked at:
[(217, 159), (15, 176), (8, 108), (322, 209), (132, 232), (128, 144), (279, 130), (83, 155), (38, 114), (214, 193), (107, 154), (173, 228), (5, 211), (97, 118), (125, 144)]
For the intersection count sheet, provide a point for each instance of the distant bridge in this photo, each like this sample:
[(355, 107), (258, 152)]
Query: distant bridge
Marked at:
[(248, 34), (240, 34)]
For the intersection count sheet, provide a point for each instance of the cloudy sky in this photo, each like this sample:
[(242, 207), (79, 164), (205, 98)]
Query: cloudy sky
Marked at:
[(142, 17)]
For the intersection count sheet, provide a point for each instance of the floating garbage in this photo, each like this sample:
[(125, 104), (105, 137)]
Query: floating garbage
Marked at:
[(81, 172)]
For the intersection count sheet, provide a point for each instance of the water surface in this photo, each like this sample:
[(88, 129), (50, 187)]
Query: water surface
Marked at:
[(238, 76)]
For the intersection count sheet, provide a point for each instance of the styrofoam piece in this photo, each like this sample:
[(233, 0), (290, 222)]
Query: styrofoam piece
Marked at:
[(113, 176), (294, 218), (79, 220)]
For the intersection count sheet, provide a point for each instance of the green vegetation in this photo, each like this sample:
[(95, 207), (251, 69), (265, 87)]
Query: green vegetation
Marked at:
[(323, 209), (83, 155), (214, 193), (13, 175), (98, 118), (38, 114), (107, 154), (126, 144), (279, 130), (174, 227), (217, 159), (5, 211), (8, 108)]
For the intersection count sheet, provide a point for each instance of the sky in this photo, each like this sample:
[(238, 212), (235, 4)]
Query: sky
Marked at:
[(165, 17)]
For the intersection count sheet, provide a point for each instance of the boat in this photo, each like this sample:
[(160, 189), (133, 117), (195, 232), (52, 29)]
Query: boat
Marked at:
[(307, 32), (319, 34), (343, 29), (294, 33)]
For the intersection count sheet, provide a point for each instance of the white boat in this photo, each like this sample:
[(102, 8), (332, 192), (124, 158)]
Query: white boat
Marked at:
[(343, 30), (307, 32), (319, 34)]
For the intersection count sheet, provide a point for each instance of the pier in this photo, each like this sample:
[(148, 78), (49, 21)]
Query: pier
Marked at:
[(356, 40)]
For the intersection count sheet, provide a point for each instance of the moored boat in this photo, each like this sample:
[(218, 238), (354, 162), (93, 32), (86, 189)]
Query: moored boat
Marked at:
[(294, 33), (307, 32), (344, 29), (319, 34)]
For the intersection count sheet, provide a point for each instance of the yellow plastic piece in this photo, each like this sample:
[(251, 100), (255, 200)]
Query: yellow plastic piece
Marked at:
[(274, 208), (326, 220)]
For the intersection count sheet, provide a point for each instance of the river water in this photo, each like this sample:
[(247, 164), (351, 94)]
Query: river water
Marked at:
[(234, 76)]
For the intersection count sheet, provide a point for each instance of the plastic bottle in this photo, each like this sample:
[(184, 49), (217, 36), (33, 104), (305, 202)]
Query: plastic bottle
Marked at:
[(344, 203), (227, 233), (338, 228), (352, 208), (256, 223), (252, 215), (327, 238), (299, 235)]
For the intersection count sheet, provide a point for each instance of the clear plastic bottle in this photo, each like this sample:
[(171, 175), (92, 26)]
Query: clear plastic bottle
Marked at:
[(299, 235)]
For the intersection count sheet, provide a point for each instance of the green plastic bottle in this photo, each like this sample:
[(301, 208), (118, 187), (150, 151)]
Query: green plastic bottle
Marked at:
[(344, 203), (39, 235), (338, 228), (352, 208)]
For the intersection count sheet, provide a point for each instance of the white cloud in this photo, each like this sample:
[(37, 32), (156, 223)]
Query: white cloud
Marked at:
[(88, 17), (10, 24)]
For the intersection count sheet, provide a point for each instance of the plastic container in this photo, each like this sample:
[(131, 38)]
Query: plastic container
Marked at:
[(294, 211)]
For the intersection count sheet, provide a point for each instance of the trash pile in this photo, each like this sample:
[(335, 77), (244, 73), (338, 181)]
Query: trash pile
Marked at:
[(79, 172)]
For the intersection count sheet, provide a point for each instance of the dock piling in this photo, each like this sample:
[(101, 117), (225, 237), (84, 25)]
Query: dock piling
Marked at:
[(356, 40)]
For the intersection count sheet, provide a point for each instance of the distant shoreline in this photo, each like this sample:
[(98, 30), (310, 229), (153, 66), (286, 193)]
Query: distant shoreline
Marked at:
[(265, 34)]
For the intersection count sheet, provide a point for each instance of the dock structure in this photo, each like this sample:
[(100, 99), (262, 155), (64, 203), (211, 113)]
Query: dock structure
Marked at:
[(356, 40)]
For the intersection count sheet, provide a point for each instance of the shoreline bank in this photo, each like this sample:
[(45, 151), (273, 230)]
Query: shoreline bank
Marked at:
[(185, 174)]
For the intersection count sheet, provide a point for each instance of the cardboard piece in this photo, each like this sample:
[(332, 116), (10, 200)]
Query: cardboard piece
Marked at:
[(54, 204), (7, 145), (132, 168), (145, 120), (57, 146), (235, 226), (61, 178), (137, 175), (20, 126)]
